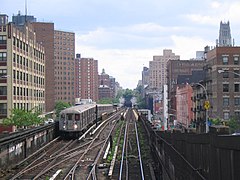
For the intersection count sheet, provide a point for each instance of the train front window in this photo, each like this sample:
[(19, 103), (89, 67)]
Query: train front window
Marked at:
[(77, 117), (63, 116), (70, 116)]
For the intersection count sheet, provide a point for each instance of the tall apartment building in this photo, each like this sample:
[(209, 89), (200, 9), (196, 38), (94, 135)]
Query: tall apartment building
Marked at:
[(225, 38), (45, 36), (64, 66), (22, 68), (223, 88), (158, 69), (59, 55), (88, 79)]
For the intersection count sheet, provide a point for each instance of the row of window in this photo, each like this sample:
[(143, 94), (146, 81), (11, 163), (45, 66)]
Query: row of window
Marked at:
[(26, 106), (226, 115), (20, 91), (65, 68), (225, 60), (226, 87), (65, 83), (65, 93), (28, 63), (226, 101), (65, 53), (25, 47), (20, 44), (64, 58), (235, 73), (27, 77)]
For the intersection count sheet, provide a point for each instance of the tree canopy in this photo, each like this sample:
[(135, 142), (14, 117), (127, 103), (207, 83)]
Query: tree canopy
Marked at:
[(128, 94), (23, 118), (59, 106)]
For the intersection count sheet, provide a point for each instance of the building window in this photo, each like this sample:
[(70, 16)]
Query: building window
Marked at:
[(237, 101), (225, 60), (236, 87), (226, 115), (3, 40), (225, 101), (3, 72), (225, 74), (14, 57), (3, 90), (3, 108), (3, 56), (225, 87), (236, 60), (236, 74), (237, 114)]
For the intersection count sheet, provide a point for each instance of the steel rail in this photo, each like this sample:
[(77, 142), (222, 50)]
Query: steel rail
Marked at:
[(139, 152), (123, 151)]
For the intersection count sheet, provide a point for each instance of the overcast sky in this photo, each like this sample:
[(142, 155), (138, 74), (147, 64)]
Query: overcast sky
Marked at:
[(125, 35)]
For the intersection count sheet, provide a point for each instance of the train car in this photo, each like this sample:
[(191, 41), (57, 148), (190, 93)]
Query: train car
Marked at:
[(76, 120)]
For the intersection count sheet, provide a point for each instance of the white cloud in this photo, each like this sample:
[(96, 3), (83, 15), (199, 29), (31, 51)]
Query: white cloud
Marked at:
[(187, 46), (215, 4), (123, 64), (202, 19), (216, 12)]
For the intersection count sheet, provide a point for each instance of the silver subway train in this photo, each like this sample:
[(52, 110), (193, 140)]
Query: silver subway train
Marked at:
[(77, 119)]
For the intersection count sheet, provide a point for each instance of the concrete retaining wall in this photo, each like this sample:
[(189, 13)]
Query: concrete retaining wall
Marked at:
[(18, 146)]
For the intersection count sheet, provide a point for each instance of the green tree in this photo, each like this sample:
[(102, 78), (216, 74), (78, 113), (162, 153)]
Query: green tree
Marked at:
[(120, 93), (234, 125), (22, 118), (215, 121), (128, 94), (140, 101), (59, 106), (105, 101)]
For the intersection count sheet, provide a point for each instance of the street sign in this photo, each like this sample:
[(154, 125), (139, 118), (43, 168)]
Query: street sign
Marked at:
[(207, 105)]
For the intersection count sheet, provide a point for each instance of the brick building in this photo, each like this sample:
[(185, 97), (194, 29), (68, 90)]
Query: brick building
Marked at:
[(88, 79), (223, 88), (22, 68), (64, 66)]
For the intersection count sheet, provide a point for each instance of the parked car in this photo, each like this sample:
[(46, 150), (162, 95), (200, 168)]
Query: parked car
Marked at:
[(48, 121), (236, 134)]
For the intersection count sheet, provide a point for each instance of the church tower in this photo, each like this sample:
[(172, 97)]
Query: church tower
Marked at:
[(225, 38)]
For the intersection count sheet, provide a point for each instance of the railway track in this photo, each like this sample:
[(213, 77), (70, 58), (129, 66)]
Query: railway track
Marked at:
[(67, 159), (130, 163), (86, 164), (84, 158)]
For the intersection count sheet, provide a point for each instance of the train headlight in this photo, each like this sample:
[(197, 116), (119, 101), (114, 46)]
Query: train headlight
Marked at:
[(75, 126), (64, 127)]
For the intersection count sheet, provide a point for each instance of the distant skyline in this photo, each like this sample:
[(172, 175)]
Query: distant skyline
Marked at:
[(124, 36)]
